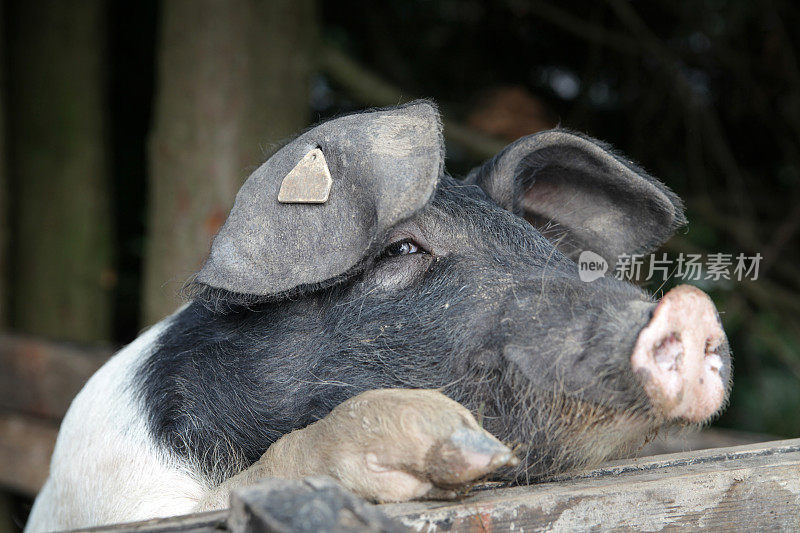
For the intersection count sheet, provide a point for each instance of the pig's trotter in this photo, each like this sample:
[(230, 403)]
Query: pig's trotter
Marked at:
[(385, 445), (396, 444), (401, 444)]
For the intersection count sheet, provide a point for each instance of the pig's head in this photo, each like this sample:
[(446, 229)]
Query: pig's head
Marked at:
[(351, 261)]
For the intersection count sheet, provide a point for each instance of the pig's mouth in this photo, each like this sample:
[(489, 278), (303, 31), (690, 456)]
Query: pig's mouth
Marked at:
[(552, 434)]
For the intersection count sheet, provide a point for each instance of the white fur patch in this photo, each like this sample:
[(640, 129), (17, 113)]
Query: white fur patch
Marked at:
[(105, 467)]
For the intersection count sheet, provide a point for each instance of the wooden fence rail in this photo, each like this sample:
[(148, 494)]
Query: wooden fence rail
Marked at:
[(743, 488), (38, 380)]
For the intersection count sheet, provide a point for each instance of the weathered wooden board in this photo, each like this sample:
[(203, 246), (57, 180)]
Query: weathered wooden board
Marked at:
[(40, 378), (25, 448), (686, 440), (744, 488), (213, 522)]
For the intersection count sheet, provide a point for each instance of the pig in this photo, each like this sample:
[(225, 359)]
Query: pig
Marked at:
[(366, 316)]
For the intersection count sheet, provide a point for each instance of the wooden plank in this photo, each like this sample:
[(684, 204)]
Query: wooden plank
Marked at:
[(685, 440), (743, 488), (726, 457), (41, 377), (25, 448), (211, 522)]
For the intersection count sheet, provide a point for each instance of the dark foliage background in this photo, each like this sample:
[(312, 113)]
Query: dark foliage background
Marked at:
[(704, 94)]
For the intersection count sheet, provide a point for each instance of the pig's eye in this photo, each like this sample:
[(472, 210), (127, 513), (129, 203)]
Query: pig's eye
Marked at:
[(404, 247)]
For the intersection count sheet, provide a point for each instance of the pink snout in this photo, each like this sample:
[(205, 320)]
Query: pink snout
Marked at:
[(682, 356)]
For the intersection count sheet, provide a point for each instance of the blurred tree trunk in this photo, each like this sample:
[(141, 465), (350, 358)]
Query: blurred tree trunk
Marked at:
[(232, 79), (6, 522), (4, 220), (61, 244)]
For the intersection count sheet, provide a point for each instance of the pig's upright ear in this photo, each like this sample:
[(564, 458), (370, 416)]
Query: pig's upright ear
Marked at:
[(581, 194), (312, 213)]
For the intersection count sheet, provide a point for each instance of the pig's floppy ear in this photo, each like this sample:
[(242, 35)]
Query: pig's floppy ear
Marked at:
[(576, 190), (316, 209)]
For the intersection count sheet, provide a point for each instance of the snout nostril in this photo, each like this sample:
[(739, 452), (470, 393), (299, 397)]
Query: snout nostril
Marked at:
[(713, 359), (712, 347), (668, 353)]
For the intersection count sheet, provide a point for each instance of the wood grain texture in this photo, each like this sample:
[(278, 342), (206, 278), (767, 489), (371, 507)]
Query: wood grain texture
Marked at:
[(215, 521), (744, 488)]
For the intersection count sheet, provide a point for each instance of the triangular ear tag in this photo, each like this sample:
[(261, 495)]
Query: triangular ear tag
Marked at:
[(309, 182)]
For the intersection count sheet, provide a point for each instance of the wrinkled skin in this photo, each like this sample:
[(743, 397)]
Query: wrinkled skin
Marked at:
[(488, 310)]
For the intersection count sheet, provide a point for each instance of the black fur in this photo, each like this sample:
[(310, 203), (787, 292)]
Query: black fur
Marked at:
[(496, 318)]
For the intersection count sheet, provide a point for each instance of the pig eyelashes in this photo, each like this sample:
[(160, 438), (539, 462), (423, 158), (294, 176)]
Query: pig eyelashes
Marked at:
[(401, 248)]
